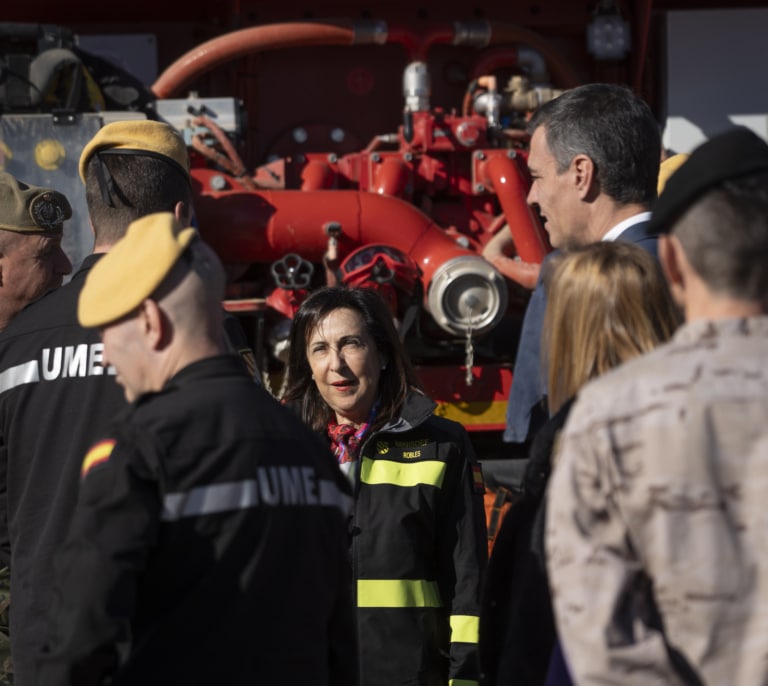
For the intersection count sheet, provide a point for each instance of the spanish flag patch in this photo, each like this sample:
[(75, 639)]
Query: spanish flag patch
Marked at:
[(477, 477), (97, 455)]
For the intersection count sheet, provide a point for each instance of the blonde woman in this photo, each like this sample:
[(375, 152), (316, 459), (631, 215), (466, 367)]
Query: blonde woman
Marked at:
[(607, 302)]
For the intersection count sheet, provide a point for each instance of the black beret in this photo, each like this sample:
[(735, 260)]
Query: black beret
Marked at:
[(730, 155)]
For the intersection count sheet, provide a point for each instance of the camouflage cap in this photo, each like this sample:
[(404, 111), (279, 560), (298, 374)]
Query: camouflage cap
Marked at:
[(138, 137), (133, 269), (731, 155), (31, 209)]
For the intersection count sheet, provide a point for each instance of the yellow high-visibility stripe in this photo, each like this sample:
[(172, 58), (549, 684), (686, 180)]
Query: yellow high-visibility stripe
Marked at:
[(397, 593), (465, 629), (463, 682), (429, 472)]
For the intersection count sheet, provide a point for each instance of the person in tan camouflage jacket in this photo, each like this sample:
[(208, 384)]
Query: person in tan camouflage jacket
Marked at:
[(657, 518)]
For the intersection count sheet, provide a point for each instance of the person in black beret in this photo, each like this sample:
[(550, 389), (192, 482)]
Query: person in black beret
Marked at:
[(31, 259), (655, 532)]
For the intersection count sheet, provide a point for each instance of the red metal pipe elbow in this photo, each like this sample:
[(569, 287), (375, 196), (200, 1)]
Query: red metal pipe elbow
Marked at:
[(222, 49), (392, 177), (316, 176), (504, 176), (246, 227)]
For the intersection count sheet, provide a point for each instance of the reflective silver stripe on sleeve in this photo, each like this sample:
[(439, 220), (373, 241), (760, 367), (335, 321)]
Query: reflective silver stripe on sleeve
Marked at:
[(272, 488), (28, 372)]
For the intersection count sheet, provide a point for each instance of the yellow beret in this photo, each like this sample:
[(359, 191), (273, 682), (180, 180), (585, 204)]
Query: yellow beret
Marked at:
[(133, 269), (669, 167), (27, 208), (138, 137)]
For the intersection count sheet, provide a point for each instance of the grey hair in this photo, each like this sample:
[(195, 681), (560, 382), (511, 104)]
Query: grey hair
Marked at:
[(615, 129)]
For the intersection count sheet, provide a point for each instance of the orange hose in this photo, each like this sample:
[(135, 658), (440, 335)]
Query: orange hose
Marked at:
[(222, 49)]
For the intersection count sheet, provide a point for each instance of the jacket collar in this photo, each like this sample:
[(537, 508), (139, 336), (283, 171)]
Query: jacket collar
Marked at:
[(416, 410)]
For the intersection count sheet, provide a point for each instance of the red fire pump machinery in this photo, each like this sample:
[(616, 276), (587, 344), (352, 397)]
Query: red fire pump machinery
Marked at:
[(432, 212)]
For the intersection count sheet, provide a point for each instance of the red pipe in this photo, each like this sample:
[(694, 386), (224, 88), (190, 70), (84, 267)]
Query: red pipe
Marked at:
[(504, 176), (316, 175), (392, 177), (524, 273), (222, 49), (416, 43), (235, 44), (251, 227)]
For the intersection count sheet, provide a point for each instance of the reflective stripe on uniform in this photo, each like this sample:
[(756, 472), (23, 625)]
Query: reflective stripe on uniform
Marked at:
[(463, 682), (397, 593), (276, 486), (428, 472), (465, 629), (28, 372)]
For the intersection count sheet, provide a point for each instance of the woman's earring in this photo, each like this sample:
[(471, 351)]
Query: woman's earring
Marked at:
[(383, 367), (313, 377)]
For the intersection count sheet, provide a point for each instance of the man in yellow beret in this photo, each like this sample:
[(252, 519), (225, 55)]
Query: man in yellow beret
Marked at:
[(56, 391), (211, 522), (31, 259)]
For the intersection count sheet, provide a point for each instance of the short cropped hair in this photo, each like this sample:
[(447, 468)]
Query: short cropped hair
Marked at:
[(615, 129), (725, 237), (142, 185)]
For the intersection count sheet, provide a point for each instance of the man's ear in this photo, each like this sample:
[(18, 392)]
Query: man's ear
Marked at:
[(184, 214), (673, 264), (154, 324), (583, 174)]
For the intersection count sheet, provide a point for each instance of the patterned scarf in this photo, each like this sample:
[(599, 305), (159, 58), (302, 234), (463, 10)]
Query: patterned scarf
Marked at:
[(346, 439)]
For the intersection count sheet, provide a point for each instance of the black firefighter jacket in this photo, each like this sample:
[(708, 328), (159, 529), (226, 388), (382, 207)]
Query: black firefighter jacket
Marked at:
[(56, 397), (209, 546), (419, 551)]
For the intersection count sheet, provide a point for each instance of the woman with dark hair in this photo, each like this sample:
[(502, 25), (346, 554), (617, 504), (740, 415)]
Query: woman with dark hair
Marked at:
[(418, 528)]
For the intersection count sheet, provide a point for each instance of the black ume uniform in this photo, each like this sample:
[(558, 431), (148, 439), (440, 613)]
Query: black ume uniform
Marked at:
[(208, 547), (56, 398)]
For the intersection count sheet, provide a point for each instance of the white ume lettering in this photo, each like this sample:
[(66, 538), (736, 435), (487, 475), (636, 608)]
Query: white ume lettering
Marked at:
[(273, 486), (61, 362), (74, 361)]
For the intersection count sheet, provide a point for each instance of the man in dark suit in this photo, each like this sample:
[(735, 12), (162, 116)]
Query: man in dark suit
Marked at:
[(594, 162)]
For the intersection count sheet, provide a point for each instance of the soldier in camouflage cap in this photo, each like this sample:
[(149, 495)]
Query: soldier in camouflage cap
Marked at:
[(31, 259), (31, 262), (656, 546)]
